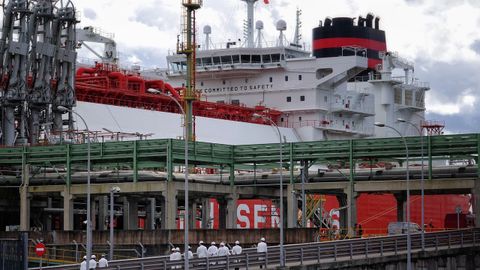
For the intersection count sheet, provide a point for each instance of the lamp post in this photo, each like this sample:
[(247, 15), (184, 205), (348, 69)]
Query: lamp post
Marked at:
[(409, 244), (185, 137), (421, 181), (114, 189), (89, 220), (282, 260)]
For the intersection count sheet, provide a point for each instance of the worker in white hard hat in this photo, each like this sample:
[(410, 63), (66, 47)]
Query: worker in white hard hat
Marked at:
[(102, 263), (212, 250), (262, 248), (175, 256), (223, 251), (236, 250), (189, 253), (93, 262), (83, 265), (202, 251)]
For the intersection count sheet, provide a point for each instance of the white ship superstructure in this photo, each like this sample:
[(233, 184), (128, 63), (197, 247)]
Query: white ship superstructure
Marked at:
[(321, 98)]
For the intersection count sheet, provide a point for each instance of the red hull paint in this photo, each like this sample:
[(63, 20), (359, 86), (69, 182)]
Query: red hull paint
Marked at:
[(374, 212)]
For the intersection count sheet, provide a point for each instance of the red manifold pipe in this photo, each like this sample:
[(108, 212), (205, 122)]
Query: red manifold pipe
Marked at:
[(83, 71), (172, 91)]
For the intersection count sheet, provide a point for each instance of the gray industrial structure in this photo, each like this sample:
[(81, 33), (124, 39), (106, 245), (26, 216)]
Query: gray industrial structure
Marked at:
[(37, 54)]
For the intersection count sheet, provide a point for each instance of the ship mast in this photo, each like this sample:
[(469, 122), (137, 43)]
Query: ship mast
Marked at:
[(298, 37), (249, 31), (188, 47)]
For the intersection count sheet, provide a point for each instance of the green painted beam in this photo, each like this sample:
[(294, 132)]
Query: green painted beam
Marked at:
[(167, 153)]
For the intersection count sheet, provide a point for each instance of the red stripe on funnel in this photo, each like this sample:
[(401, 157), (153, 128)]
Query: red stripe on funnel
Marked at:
[(340, 42)]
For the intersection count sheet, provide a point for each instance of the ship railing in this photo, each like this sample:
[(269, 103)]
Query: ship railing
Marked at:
[(313, 253), (241, 44), (352, 108), (330, 125)]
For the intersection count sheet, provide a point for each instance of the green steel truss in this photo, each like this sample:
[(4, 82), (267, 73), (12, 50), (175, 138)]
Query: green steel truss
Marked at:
[(164, 154)]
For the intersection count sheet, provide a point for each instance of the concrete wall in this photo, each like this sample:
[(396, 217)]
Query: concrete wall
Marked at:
[(158, 239)]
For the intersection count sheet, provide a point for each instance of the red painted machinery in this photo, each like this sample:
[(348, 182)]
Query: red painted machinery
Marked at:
[(107, 84)]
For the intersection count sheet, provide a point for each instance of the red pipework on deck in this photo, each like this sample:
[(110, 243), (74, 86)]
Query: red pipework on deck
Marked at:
[(107, 84)]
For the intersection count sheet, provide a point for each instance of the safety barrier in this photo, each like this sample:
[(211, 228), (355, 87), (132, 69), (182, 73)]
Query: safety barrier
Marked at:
[(308, 253)]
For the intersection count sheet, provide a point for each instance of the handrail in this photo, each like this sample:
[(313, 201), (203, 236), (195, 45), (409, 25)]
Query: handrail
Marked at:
[(306, 253)]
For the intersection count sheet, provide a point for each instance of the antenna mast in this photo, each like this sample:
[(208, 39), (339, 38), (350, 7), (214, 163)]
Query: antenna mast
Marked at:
[(298, 36), (249, 31)]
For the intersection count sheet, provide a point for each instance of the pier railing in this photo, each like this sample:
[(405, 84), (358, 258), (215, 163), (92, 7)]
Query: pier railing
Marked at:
[(308, 253)]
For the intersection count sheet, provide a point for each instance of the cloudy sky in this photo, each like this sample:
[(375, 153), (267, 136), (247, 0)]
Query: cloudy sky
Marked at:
[(441, 36)]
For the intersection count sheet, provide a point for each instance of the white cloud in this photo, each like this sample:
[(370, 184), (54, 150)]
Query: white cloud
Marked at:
[(464, 103)]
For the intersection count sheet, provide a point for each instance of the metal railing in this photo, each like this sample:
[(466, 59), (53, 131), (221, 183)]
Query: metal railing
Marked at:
[(309, 253)]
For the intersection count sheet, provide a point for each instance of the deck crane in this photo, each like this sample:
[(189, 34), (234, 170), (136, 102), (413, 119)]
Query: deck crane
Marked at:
[(94, 35)]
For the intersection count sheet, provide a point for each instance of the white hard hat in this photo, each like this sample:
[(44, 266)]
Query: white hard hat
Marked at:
[(189, 247), (174, 249), (201, 242), (237, 242), (222, 244), (262, 239), (84, 257), (93, 256), (177, 249), (213, 243)]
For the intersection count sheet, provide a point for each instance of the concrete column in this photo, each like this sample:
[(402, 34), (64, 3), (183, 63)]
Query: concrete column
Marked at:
[(476, 202), (48, 216), (93, 213), (193, 214), (150, 210), (292, 208), (25, 200), (206, 208), (401, 206), (67, 210), (169, 207), (24, 209), (232, 211), (343, 202), (103, 216), (351, 210), (222, 213), (132, 214)]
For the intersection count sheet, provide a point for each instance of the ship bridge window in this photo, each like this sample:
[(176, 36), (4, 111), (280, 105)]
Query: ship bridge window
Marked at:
[(408, 97), (266, 59), (398, 96), (275, 58), (302, 98), (226, 59), (323, 72), (207, 61), (245, 58), (216, 60), (289, 99), (236, 59), (271, 79), (300, 77), (256, 59), (235, 102), (286, 78)]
